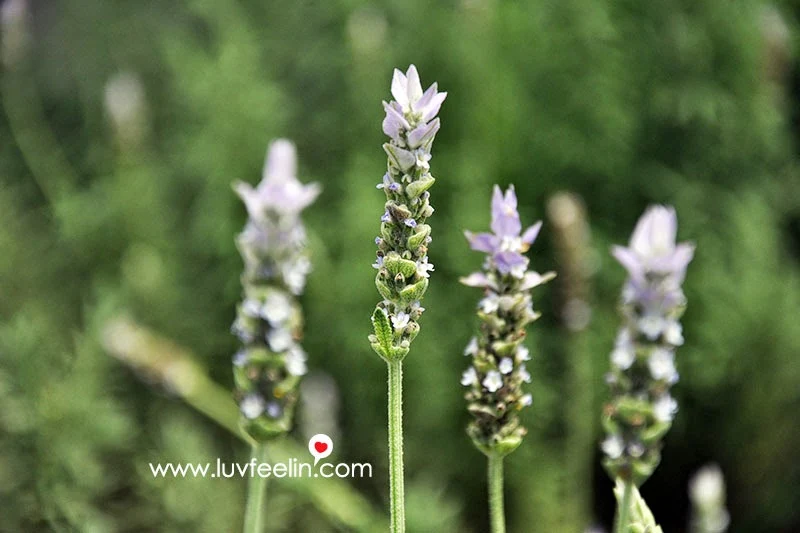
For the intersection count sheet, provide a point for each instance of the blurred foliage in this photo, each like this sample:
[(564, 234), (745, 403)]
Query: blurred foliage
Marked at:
[(124, 124)]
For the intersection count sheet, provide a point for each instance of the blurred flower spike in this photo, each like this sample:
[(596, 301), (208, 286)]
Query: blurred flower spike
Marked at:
[(268, 367), (643, 368)]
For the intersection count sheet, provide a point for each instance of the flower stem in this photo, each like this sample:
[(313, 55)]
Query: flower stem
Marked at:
[(496, 511), (624, 507), (397, 492), (256, 491)]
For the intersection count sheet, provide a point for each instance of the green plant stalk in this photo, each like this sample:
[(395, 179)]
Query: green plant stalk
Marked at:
[(496, 507), (35, 140), (624, 508), (579, 438), (396, 488), (256, 492)]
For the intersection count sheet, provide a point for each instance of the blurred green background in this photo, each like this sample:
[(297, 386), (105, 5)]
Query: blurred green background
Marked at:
[(124, 123)]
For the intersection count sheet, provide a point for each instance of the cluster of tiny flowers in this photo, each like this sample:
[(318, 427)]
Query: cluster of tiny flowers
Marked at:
[(402, 256), (497, 373), (268, 367), (641, 408)]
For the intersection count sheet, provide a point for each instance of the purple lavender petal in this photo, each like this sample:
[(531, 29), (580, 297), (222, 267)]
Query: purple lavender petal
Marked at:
[(534, 279), (281, 161), (400, 88), (655, 232), (482, 242), (506, 261), (426, 99), (413, 85), (251, 199), (431, 109), (683, 255), (629, 260), (394, 123), (505, 219), (511, 198), (531, 233), (476, 279), (423, 133), (386, 182)]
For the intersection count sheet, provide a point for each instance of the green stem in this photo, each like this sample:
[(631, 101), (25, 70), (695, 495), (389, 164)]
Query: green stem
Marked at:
[(256, 491), (496, 510), (624, 508), (396, 490), (38, 145)]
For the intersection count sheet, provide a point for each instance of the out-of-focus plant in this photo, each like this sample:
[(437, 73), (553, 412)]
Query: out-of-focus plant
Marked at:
[(707, 494), (163, 362), (641, 408), (576, 264), (268, 368)]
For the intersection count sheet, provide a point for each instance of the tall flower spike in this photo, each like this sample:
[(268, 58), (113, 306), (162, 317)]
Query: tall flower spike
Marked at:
[(497, 373), (641, 408), (268, 367), (402, 256)]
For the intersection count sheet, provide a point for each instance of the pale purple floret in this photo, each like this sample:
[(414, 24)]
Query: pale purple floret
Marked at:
[(273, 241), (279, 191), (505, 244), (653, 250), (407, 92), (412, 112), (656, 267)]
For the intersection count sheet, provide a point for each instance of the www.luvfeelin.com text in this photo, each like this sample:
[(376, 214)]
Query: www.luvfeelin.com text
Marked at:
[(291, 468)]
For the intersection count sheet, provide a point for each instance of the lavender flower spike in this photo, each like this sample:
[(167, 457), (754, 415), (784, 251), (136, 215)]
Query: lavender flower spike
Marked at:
[(402, 264), (267, 369), (641, 408), (497, 372)]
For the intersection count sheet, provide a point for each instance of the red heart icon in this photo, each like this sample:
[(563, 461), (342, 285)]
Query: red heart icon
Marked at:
[(320, 447)]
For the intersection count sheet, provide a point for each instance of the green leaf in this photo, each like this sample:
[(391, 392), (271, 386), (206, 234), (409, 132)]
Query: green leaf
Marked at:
[(383, 332), (655, 432), (399, 353), (416, 240), (402, 159), (414, 292), (396, 265), (416, 188), (384, 289)]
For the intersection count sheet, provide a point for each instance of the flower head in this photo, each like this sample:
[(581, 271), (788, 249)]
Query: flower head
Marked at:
[(652, 248), (496, 395), (402, 264), (408, 95), (268, 366), (279, 191), (505, 244)]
